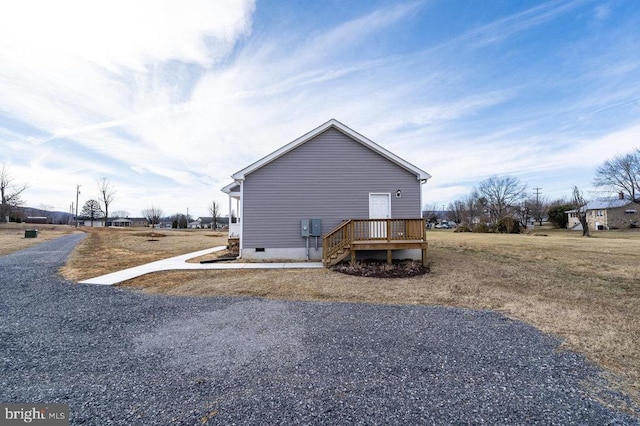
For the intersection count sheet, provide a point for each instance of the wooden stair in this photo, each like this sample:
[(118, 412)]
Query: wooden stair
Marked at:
[(338, 256)]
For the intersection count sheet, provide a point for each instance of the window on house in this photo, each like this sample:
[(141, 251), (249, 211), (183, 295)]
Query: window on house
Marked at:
[(600, 213), (631, 211)]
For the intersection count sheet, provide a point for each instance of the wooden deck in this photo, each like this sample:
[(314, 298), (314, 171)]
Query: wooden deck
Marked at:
[(374, 234)]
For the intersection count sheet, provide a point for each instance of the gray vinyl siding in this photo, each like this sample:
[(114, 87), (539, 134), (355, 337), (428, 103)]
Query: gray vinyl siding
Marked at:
[(329, 177)]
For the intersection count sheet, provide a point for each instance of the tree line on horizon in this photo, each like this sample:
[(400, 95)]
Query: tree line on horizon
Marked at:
[(504, 204), (500, 203), (12, 206)]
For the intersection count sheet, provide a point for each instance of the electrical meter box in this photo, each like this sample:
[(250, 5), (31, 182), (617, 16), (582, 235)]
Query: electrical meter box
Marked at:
[(305, 228), (316, 228)]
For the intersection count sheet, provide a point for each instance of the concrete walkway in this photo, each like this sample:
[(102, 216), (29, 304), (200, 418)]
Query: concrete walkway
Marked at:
[(180, 263)]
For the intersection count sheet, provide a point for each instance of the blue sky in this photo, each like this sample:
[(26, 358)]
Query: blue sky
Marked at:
[(167, 99)]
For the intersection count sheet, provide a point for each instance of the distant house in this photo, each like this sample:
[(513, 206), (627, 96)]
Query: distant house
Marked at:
[(607, 213), (87, 221), (330, 185), (128, 222), (222, 222), (203, 222), (37, 219)]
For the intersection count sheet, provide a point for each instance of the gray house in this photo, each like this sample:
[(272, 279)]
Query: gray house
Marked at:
[(288, 201)]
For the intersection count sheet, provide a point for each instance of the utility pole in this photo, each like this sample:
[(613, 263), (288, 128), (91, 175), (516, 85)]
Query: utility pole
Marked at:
[(538, 212), (187, 225), (537, 194), (77, 197)]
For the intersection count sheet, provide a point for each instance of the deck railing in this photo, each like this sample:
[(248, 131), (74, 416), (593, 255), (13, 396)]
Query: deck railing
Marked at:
[(372, 230), (234, 230)]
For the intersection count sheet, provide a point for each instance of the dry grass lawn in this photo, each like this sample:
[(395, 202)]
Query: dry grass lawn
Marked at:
[(12, 235), (584, 290), (108, 250)]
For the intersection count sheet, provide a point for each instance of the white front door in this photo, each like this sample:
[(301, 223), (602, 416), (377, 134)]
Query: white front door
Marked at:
[(379, 208)]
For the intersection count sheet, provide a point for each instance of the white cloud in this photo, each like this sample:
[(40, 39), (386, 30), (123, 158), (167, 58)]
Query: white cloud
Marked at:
[(119, 34), (168, 100), (76, 65), (501, 29), (532, 163), (602, 11), (95, 71)]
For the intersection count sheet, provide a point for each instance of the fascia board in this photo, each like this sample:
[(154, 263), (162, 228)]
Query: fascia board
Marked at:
[(227, 189)]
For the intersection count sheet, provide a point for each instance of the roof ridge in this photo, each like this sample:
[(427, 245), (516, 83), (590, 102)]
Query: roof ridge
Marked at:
[(421, 174)]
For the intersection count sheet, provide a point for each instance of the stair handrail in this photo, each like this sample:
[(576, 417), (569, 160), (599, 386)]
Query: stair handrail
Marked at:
[(350, 230), (337, 239)]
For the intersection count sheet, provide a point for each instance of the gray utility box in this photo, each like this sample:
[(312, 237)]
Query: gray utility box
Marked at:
[(310, 228), (305, 228), (31, 233), (316, 228)]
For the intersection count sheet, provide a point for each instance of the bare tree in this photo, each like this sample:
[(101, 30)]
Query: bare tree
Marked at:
[(92, 210), (537, 208), (153, 215), (179, 221), (431, 214), (621, 174), (502, 194), (11, 193), (214, 209), (107, 194), (580, 206), (472, 209), (523, 213), (456, 210)]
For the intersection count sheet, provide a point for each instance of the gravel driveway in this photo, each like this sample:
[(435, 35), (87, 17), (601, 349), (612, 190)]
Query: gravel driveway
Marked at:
[(117, 356)]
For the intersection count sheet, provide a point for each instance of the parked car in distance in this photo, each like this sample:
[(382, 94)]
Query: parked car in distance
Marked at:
[(445, 225)]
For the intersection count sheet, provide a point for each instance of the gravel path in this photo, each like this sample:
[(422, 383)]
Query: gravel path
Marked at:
[(117, 356)]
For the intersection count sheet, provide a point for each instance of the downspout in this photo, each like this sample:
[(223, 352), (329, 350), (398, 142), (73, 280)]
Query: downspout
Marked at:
[(422, 182), (241, 219)]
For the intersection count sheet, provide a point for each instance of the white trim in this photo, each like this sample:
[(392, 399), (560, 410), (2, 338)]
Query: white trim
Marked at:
[(241, 217), (227, 189), (388, 194), (420, 174), (378, 229), (292, 253), (230, 214)]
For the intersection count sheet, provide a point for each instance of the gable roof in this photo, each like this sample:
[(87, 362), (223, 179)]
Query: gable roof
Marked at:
[(232, 187), (333, 123), (607, 203), (603, 204)]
